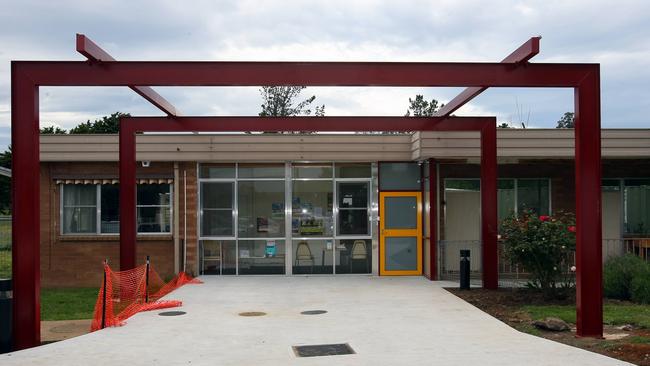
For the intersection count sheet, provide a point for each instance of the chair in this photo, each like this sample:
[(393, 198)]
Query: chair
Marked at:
[(303, 253), (209, 256), (359, 252)]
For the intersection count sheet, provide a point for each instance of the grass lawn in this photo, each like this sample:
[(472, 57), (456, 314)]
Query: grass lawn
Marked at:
[(68, 303), (613, 313)]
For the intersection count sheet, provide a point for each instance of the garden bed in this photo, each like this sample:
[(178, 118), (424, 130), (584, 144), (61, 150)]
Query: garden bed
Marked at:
[(519, 308)]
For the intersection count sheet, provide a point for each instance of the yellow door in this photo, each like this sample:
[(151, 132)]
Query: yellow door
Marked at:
[(400, 233)]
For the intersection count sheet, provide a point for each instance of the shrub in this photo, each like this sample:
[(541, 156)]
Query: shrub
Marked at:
[(618, 275), (640, 285), (543, 246)]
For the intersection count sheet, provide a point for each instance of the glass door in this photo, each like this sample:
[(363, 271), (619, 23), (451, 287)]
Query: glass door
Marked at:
[(400, 233)]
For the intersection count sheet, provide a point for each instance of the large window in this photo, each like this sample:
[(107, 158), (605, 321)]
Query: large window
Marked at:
[(95, 209), (254, 216)]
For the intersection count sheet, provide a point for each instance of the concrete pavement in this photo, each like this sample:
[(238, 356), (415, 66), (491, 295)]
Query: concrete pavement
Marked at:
[(386, 320)]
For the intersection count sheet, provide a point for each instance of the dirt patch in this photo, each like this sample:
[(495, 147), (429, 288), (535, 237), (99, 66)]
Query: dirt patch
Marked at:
[(631, 345), (58, 330)]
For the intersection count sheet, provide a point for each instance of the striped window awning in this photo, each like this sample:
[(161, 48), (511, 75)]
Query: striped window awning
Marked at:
[(114, 181)]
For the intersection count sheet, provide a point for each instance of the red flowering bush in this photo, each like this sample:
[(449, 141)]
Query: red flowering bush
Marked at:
[(544, 246)]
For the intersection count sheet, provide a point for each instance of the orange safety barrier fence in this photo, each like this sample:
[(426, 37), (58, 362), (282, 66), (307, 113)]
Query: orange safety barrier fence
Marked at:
[(126, 293)]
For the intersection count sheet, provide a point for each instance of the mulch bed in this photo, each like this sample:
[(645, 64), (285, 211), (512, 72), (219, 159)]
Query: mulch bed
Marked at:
[(506, 304)]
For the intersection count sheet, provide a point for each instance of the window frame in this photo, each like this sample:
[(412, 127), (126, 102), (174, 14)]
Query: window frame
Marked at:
[(98, 210)]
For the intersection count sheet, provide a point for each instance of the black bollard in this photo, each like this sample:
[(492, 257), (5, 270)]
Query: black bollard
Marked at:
[(5, 316), (464, 269)]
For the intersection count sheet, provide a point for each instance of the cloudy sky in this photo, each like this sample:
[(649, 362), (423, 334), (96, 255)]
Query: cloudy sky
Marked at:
[(614, 34)]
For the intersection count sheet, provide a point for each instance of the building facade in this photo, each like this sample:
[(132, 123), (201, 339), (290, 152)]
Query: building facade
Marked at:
[(321, 204)]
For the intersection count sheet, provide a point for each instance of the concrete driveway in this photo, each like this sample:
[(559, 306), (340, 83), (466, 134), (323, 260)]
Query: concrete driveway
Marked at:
[(387, 321)]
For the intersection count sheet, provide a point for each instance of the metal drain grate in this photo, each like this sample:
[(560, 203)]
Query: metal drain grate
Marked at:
[(313, 312), (252, 313), (172, 313), (317, 350)]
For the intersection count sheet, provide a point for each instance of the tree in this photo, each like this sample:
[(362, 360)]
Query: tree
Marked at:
[(503, 125), (53, 130), (419, 107), (278, 101), (107, 124), (567, 120)]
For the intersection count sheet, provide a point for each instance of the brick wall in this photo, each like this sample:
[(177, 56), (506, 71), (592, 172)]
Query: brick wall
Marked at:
[(73, 261), (188, 171)]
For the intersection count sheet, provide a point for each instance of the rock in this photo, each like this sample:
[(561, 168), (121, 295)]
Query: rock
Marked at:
[(552, 324), (626, 327)]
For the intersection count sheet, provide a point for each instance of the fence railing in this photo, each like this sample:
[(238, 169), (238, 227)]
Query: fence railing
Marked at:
[(5, 246), (511, 274)]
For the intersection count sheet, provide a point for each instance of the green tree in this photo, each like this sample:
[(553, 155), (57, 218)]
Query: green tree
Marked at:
[(419, 107), (280, 101), (52, 130), (5, 183), (107, 124), (567, 120), (503, 125)]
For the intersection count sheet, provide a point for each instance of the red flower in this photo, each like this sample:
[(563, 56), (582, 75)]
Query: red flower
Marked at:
[(544, 218), (572, 229)]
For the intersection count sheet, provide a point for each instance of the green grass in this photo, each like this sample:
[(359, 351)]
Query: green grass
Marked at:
[(68, 303), (639, 340), (614, 314)]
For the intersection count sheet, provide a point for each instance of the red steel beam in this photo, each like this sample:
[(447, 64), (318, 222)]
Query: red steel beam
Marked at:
[(27, 76), (522, 54), (433, 223), (94, 53), (216, 73), (486, 125), (589, 269)]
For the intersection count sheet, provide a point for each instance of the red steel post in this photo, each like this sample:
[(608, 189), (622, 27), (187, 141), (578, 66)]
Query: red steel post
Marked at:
[(489, 218), (433, 221), (127, 198), (25, 210), (589, 276)]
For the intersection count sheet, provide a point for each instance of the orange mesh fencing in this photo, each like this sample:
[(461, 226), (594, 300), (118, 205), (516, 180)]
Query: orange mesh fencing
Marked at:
[(132, 291)]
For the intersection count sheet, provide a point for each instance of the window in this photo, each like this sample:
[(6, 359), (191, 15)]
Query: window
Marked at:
[(154, 208), (261, 209), (79, 205), (637, 207), (399, 176), (83, 204), (217, 201), (533, 195), (312, 208)]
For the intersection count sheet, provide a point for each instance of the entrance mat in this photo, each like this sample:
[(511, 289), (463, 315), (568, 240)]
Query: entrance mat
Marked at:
[(323, 350)]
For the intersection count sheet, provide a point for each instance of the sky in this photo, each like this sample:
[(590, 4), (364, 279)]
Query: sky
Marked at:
[(614, 34)]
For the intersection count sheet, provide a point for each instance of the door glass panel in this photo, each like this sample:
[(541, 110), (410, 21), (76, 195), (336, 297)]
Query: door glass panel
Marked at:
[(353, 208), (354, 256), (400, 212), (401, 253)]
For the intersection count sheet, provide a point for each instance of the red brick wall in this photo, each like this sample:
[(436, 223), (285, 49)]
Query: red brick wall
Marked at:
[(188, 171), (73, 261)]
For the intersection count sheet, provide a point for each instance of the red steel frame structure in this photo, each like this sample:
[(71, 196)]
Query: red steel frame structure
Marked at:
[(28, 76), (129, 126)]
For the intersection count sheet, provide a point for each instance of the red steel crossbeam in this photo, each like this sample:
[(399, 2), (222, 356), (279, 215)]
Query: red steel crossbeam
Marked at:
[(521, 55), (129, 126), (94, 53), (28, 76)]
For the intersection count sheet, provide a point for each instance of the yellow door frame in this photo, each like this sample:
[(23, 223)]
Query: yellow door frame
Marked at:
[(383, 233)]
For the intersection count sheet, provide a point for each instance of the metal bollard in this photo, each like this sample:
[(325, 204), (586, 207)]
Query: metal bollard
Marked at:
[(464, 269), (6, 297)]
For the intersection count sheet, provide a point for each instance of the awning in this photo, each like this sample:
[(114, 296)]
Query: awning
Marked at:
[(114, 181)]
